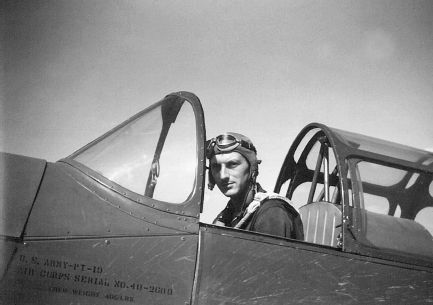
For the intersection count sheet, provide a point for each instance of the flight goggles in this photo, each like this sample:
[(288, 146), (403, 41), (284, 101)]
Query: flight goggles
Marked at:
[(226, 143)]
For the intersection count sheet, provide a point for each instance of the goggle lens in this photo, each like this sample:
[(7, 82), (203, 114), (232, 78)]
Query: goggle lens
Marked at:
[(226, 143)]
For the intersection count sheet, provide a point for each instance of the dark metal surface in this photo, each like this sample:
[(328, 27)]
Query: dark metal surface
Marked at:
[(19, 182), (245, 268), (139, 270), (70, 204)]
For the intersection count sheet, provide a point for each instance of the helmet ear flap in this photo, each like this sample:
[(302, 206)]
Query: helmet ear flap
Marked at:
[(211, 180), (255, 171), (254, 176)]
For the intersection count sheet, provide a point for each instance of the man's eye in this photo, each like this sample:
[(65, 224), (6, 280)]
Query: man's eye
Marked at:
[(232, 164)]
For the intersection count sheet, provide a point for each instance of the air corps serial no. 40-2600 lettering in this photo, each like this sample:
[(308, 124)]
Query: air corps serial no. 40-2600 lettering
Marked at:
[(117, 222)]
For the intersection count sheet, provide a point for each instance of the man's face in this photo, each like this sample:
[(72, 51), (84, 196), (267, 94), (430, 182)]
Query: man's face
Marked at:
[(231, 172)]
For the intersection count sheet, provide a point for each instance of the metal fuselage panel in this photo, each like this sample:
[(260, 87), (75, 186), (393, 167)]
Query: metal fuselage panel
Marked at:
[(84, 243), (72, 204), (246, 268), (20, 178), (137, 270)]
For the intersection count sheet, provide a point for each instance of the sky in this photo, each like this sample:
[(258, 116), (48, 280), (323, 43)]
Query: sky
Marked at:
[(72, 70)]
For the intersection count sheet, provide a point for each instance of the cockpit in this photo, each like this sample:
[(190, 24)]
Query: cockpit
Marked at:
[(359, 193)]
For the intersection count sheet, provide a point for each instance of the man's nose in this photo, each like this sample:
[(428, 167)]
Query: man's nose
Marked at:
[(224, 173)]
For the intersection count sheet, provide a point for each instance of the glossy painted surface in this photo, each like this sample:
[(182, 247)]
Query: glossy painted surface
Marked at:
[(86, 243), (82, 207), (127, 270), (19, 182), (245, 268)]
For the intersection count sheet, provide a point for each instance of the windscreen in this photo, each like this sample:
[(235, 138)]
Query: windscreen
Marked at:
[(156, 151)]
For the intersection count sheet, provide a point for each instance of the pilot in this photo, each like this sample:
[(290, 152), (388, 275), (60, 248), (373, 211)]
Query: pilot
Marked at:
[(233, 167)]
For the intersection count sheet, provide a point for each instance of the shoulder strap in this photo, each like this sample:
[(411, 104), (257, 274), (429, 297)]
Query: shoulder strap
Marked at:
[(263, 196), (259, 199)]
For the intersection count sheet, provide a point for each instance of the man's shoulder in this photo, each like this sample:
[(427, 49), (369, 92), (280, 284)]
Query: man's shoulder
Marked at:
[(273, 200), (276, 216)]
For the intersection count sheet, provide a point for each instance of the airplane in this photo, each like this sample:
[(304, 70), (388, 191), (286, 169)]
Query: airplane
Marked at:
[(118, 221)]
